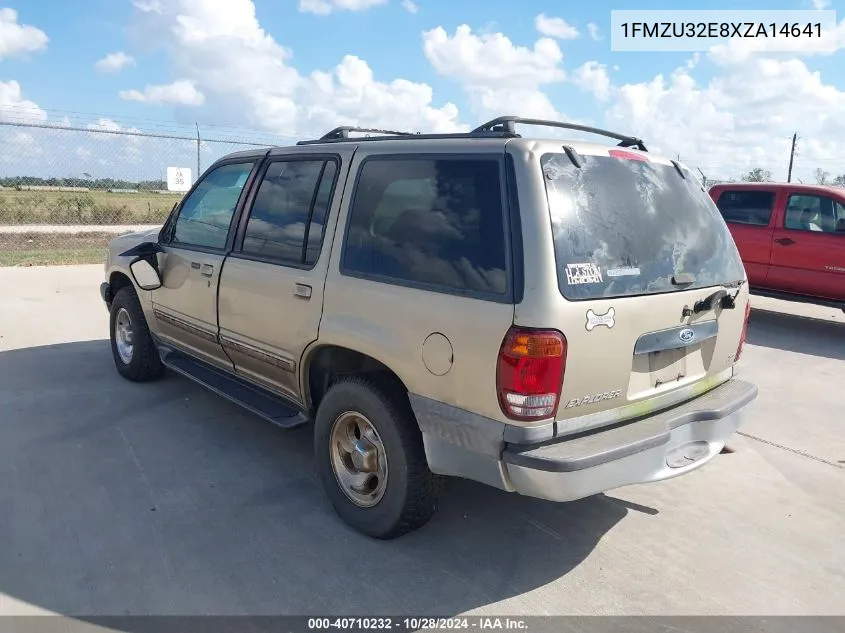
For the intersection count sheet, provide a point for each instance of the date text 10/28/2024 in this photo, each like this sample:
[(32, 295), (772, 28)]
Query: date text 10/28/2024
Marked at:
[(458, 623)]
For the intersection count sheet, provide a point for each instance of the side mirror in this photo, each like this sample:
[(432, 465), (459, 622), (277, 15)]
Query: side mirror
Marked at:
[(146, 276)]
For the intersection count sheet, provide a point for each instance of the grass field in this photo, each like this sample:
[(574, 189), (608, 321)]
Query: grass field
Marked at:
[(49, 249), (95, 207)]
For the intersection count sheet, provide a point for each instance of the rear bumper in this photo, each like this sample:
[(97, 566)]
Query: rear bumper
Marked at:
[(668, 444)]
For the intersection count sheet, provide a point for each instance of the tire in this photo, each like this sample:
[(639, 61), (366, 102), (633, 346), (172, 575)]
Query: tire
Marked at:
[(143, 362), (410, 491)]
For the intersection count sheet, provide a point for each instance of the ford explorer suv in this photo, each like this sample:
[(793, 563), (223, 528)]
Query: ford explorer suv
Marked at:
[(552, 318), (791, 238)]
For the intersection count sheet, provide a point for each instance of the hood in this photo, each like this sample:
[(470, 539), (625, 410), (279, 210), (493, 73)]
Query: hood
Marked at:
[(131, 239)]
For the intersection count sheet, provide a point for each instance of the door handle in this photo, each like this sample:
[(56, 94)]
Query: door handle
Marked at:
[(303, 291), (195, 265), (786, 241), (207, 270)]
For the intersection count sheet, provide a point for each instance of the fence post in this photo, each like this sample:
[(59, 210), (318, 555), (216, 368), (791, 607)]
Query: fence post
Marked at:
[(199, 141)]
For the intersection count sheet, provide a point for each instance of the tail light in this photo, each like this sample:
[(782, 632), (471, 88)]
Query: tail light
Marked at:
[(744, 331), (530, 372)]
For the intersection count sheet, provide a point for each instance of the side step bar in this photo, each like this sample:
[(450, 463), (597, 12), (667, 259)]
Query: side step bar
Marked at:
[(269, 406)]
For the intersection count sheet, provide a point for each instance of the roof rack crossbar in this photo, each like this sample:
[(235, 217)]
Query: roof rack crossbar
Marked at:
[(343, 132), (508, 124), (407, 136)]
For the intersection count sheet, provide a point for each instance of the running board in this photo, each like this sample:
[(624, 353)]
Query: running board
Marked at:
[(269, 406)]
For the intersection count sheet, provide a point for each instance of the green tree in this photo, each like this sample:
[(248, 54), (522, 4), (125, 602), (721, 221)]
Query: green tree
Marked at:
[(758, 174)]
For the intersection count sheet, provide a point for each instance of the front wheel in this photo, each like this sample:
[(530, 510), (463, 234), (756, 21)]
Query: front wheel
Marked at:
[(135, 354), (371, 460)]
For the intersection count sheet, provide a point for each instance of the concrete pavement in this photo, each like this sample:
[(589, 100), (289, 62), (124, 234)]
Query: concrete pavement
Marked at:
[(163, 498)]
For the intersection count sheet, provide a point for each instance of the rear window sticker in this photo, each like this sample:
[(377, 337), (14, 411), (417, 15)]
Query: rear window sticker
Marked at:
[(583, 274), (623, 271), (608, 319)]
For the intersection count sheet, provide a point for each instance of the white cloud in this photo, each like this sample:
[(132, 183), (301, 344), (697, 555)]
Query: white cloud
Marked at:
[(324, 7), (592, 77), (182, 92), (410, 6), (821, 4), (742, 118), (492, 58), (18, 39), (14, 108), (245, 76), (499, 76), (114, 62), (593, 30), (555, 27)]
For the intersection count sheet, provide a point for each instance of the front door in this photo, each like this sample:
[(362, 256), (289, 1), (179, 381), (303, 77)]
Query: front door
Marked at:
[(808, 252), (271, 290), (185, 307)]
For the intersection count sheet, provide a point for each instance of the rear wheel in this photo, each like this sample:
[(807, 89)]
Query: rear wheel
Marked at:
[(371, 460), (135, 354)]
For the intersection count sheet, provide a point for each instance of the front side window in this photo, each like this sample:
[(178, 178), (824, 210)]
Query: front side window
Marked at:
[(625, 227), (811, 213), (290, 210), (206, 214), (746, 207), (437, 222)]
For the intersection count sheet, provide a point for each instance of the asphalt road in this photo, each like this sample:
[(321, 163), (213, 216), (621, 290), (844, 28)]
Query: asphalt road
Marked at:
[(117, 498)]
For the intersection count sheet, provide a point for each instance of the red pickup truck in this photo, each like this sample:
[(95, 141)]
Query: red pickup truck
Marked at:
[(791, 238)]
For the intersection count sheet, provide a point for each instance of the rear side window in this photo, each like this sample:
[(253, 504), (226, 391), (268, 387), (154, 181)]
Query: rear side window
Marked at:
[(289, 212), (746, 207), (628, 227), (431, 222)]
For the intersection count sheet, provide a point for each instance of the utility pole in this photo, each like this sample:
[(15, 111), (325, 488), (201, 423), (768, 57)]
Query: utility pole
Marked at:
[(791, 157)]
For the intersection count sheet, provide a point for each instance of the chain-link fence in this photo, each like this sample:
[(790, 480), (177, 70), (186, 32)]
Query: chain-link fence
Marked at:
[(66, 190)]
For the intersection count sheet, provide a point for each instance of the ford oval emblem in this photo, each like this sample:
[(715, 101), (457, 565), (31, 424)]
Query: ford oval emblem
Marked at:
[(687, 335)]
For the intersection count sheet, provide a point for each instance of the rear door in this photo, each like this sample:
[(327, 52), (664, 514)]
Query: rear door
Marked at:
[(271, 289), (637, 243), (749, 214), (808, 247)]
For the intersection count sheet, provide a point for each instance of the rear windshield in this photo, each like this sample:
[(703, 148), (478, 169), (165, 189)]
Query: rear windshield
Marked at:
[(626, 227)]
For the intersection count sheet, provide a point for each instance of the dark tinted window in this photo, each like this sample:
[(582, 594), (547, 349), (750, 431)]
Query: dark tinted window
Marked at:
[(746, 207), (206, 213), (437, 222), (282, 211), (626, 227), (317, 226)]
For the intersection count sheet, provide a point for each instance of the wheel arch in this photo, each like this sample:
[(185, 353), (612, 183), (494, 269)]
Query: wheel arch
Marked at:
[(325, 364)]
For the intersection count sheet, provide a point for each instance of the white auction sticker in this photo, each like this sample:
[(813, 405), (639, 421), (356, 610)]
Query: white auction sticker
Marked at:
[(624, 271)]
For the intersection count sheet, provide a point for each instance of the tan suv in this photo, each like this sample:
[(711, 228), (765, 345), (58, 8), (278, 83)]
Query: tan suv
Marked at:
[(549, 317)]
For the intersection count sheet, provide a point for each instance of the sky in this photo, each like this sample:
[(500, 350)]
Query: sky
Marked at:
[(292, 69)]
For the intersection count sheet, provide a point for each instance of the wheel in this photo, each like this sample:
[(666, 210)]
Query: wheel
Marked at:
[(371, 460), (133, 349)]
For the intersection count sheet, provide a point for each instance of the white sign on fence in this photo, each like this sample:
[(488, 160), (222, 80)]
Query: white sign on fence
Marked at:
[(179, 179)]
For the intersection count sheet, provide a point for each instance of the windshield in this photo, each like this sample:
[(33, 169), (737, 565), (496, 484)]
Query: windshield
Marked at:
[(626, 227)]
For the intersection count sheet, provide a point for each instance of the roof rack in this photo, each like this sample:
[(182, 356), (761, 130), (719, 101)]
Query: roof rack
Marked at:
[(507, 124), (503, 127), (343, 132)]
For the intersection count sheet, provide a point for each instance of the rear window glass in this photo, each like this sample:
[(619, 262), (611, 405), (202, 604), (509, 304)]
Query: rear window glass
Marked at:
[(434, 222), (627, 227), (746, 207)]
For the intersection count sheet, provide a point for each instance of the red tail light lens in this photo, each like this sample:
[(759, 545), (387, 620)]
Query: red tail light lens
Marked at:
[(530, 372), (744, 331)]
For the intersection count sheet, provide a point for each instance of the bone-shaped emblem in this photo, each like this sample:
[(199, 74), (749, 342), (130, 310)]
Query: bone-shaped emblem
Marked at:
[(594, 320)]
